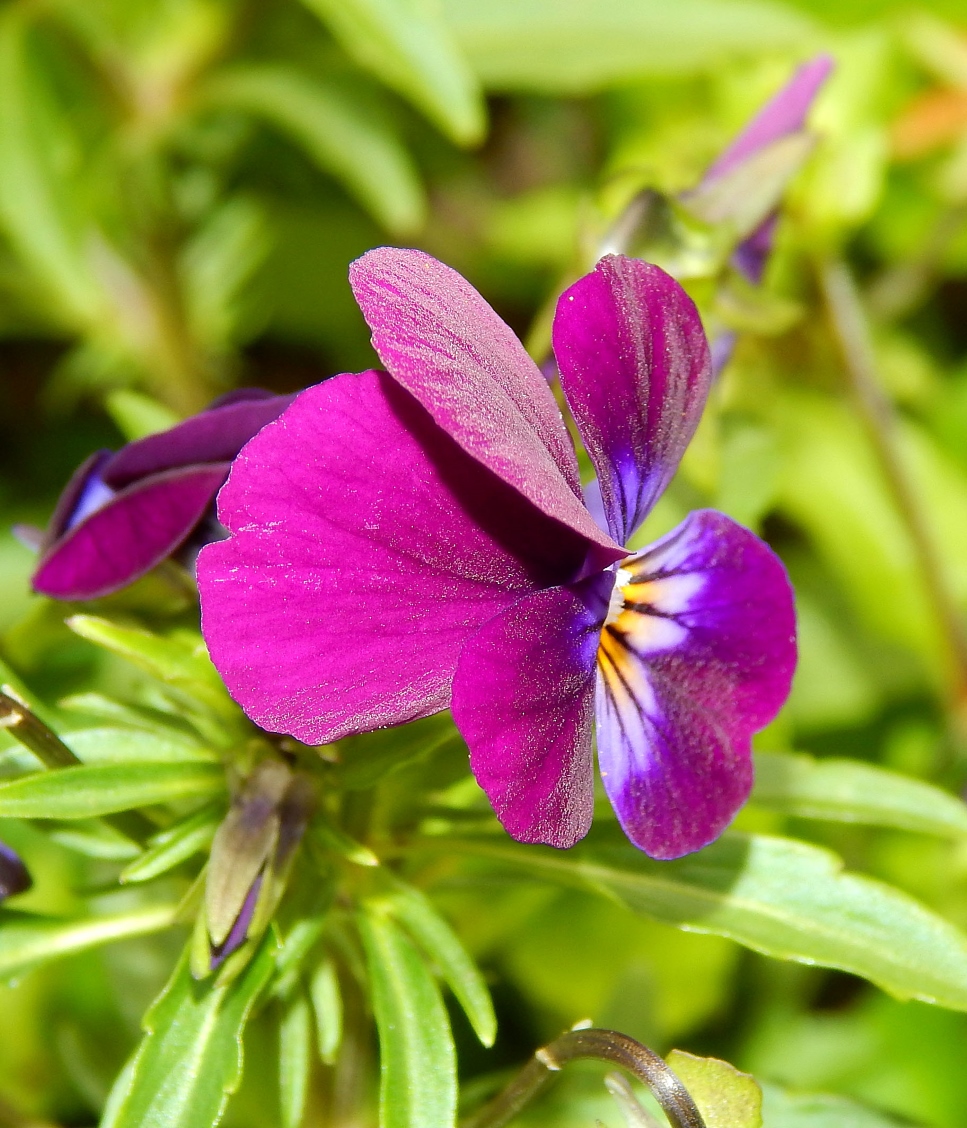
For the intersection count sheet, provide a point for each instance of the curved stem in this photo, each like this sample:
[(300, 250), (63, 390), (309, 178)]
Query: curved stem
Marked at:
[(601, 1045), (851, 329)]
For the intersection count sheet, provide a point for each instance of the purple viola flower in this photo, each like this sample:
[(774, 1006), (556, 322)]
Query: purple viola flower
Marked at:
[(409, 540), (123, 513)]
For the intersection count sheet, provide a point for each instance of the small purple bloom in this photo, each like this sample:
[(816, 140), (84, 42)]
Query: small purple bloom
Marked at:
[(784, 115), (416, 539), (123, 513)]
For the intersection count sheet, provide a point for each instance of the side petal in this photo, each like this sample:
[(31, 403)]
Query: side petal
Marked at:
[(366, 547), (215, 435), (636, 371), (129, 535), (445, 345), (85, 480), (523, 699), (700, 657)]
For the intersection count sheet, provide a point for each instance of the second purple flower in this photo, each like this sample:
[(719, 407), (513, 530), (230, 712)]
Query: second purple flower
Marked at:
[(406, 541)]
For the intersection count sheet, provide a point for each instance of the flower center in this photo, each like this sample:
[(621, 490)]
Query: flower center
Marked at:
[(622, 577)]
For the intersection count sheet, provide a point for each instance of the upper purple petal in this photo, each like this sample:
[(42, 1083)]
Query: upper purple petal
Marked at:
[(445, 345), (215, 435), (366, 546), (89, 471), (701, 657), (636, 371), (128, 535), (783, 114), (523, 699)]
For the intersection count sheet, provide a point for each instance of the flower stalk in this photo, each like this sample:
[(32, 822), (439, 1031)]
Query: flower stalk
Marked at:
[(851, 328), (599, 1045)]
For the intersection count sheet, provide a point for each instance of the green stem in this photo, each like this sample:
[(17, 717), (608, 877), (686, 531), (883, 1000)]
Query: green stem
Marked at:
[(27, 728), (601, 1045), (852, 331)]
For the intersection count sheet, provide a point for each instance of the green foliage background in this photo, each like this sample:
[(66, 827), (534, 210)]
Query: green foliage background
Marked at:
[(182, 186)]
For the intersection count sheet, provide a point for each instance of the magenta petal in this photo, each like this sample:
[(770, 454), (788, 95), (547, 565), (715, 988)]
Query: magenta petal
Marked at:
[(523, 699), (783, 114), (449, 349), (72, 494), (129, 535), (366, 546), (636, 371), (215, 435), (700, 658)]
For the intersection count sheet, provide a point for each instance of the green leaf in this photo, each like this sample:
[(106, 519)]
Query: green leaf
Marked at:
[(726, 1097), (818, 1110), (137, 415), (122, 745), (850, 791), (408, 46), (415, 912), (367, 759), (327, 1006), (352, 141), (175, 845), (295, 1056), (418, 1086), (26, 940), (576, 46), (782, 897), (38, 157), (101, 789), (190, 1060), (179, 660)]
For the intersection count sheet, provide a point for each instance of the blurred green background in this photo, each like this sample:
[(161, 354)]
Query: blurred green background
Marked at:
[(182, 186)]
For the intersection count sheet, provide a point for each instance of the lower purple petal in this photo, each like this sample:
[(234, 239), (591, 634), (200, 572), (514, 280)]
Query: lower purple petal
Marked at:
[(366, 546), (523, 699), (129, 535), (701, 657)]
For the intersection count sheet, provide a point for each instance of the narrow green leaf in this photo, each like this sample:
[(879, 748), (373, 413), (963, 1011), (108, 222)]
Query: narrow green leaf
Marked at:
[(96, 839), (340, 843), (178, 659), (38, 197), (327, 1006), (850, 791), (785, 898), (173, 846), (138, 415), (576, 46), (26, 940), (101, 789), (346, 139), (415, 912), (418, 1086), (726, 1097), (407, 45), (190, 1059), (295, 1056), (119, 745)]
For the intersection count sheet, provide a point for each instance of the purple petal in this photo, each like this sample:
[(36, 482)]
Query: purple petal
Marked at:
[(239, 930), (523, 699), (241, 395), (785, 113), (366, 546), (215, 435), (635, 369), (89, 471), (127, 537), (449, 349), (751, 255), (14, 877), (701, 657)]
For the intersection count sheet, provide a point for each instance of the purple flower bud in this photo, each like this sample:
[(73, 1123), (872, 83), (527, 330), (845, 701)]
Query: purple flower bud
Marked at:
[(122, 513), (14, 877)]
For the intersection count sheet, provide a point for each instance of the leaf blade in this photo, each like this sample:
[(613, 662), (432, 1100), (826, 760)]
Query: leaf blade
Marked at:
[(417, 1057)]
